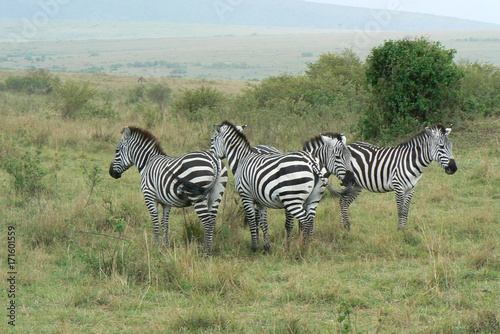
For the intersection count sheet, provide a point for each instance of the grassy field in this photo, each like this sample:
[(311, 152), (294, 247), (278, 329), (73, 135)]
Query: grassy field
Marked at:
[(204, 51), (85, 259)]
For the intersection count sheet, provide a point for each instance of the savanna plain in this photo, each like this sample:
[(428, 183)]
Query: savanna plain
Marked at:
[(86, 261)]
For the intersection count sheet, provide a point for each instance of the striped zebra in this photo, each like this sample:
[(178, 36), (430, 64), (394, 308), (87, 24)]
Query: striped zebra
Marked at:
[(397, 168), (195, 179), (290, 180), (337, 154)]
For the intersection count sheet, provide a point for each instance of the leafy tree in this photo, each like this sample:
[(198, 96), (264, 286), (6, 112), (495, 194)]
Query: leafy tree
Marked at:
[(411, 82)]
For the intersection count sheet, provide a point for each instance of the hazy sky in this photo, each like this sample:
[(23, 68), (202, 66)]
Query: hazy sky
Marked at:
[(479, 10)]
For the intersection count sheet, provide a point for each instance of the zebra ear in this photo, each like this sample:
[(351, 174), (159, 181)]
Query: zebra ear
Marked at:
[(344, 140), (240, 128), (447, 131), (126, 132), (217, 128)]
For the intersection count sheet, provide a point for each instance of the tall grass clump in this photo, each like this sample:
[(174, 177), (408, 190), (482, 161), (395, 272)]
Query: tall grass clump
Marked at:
[(196, 103), (28, 172)]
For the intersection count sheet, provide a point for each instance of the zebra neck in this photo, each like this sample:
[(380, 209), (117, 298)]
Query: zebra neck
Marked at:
[(421, 152), (234, 157), (142, 159)]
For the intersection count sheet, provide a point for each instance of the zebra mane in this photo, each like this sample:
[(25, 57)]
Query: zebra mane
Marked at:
[(422, 133), (318, 141), (148, 136), (237, 132)]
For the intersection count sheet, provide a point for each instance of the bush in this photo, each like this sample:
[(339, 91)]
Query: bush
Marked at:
[(72, 98), (195, 102), (36, 81), (412, 83), (28, 173), (479, 90), (136, 94), (159, 94)]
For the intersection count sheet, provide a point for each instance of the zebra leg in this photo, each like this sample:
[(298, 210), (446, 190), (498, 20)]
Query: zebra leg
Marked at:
[(345, 201), (289, 222), (403, 200), (252, 224), (153, 211), (165, 224), (208, 220), (261, 213)]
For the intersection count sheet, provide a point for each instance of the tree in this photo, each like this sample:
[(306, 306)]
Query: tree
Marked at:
[(411, 83)]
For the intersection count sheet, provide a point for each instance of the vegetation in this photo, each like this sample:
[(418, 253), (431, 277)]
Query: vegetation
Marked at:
[(411, 83), (85, 257)]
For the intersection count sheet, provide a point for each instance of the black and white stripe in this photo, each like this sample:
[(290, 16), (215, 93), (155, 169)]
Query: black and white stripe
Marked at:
[(195, 179), (398, 168), (291, 180)]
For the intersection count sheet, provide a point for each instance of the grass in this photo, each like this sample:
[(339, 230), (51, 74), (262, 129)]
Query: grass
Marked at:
[(86, 259)]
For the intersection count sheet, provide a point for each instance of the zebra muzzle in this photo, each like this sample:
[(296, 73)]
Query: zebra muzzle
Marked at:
[(451, 168), (114, 173)]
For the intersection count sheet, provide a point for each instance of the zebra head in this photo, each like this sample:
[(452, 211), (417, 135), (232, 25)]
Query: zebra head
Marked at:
[(226, 137), (338, 161), (441, 148), (122, 160)]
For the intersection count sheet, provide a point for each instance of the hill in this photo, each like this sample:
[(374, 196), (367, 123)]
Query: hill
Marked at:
[(288, 13)]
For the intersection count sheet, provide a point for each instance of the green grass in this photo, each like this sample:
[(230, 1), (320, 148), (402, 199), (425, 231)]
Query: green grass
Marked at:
[(86, 260)]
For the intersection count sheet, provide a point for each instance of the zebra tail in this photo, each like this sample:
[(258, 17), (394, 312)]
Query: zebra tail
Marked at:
[(193, 189), (340, 193)]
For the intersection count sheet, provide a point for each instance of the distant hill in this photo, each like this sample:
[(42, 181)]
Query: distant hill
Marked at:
[(288, 13)]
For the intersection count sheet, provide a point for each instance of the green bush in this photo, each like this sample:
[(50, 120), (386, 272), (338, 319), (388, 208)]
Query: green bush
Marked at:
[(73, 98), (136, 94), (159, 94), (412, 82), (479, 90), (36, 81), (195, 102), (28, 173)]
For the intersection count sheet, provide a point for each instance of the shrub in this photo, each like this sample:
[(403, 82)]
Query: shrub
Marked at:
[(196, 101), (36, 81), (71, 98), (159, 94), (136, 94), (411, 82), (28, 173), (479, 90)]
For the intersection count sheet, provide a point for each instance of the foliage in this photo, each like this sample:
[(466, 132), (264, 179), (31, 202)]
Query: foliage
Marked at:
[(193, 102), (333, 84), (35, 81), (479, 90), (412, 82), (72, 98), (344, 66), (136, 94), (28, 172), (159, 94)]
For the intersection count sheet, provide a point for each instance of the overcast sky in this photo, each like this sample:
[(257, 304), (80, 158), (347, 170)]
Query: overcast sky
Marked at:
[(479, 10)]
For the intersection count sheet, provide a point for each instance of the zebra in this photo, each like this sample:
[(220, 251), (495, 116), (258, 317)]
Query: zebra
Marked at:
[(397, 168), (195, 179), (292, 180), (319, 148)]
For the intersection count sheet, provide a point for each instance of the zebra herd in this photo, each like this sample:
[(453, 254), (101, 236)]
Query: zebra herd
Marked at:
[(265, 177)]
